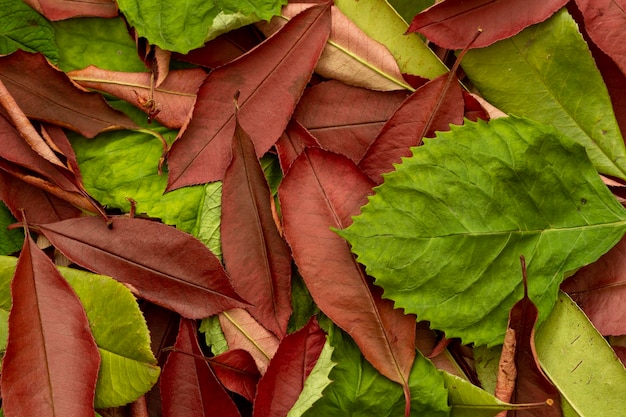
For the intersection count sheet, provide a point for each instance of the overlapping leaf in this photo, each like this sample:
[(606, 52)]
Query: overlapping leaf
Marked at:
[(51, 357), (536, 59), (63, 9), (269, 79), (493, 191), (237, 371), (25, 29), (192, 283), (453, 24)]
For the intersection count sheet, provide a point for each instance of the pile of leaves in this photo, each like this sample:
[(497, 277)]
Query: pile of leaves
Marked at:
[(269, 209)]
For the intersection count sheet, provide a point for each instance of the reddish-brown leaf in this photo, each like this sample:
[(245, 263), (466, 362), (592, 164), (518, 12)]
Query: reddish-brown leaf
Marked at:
[(160, 263), (237, 371), (45, 93), (189, 388), (452, 24), (346, 119), (65, 9), (323, 190), (600, 290), (256, 256), (242, 331), (292, 142), (270, 79), (604, 22), (432, 107), (51, 362), (173, 99), (283, 382)]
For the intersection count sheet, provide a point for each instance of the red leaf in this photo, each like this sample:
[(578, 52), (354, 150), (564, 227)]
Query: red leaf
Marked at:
[(45, 93), (65, 9), (270, 79), (432, 107), (323, 190), (159, 262), (453, 24), (189, 387), (283, 382), (292, 142), (51, 362), (173, 99), (256, 257), (600, 290), (605, 22), (237, 371), (329, 112)]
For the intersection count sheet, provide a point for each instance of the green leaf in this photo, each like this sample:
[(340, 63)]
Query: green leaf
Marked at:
[(409, 8), (104, 43), (547, 73), (21, 27), (207, 227), (359, 390), (444, 233), (10, 240), (383, 24), (213, 335), (181, 27), (580, 362), (302, 304), (467, 400)]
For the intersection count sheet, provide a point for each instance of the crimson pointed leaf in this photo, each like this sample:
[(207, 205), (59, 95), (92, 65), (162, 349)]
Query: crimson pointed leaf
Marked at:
[(270, 80), (256, 257), (452, 24), (432, 107), (188, 385), (161, 263), (51, 363), (323, 190), (237, 371), (283, 382)]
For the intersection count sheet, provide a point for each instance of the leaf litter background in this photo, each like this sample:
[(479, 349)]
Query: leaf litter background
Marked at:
[(253, 228)]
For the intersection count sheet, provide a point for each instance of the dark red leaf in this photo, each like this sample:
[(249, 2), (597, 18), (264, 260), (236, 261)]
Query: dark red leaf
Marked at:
[(346, 119), (452, 24), (256, 256), (45, 93), (237, 371), (321, 191), (65, 9), (159, 262), (473, 109), (270, 79), (189, 387), (432, 107), (292, 142), (51, 362), (283, 382)]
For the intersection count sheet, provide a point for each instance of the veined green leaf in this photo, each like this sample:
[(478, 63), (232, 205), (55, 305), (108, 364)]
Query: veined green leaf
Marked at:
[(546, 73), (181, 27), (213, 335), (10, 240), (21, 27), (580, 362), (382, 23), (359, 390), (444, 233)]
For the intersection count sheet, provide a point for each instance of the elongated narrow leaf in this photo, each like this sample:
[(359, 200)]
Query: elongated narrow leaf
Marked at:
[(434, 106), (23, 28), (473, 200), (242, 331), (270, 80), (323, 190), (256, 256), (292, 142), (188, 385), (161, 263), (537, 58), (281, 385), (64, 9), (45, 93), (327, 110), (51, 358), (171, 102), (454, 23)]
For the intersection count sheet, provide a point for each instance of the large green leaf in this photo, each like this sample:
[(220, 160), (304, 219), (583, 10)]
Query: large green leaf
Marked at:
[(21, 27), (546, 73), (182, 26), (444, 233), (10, 240), (359, 390), (580, 362)]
